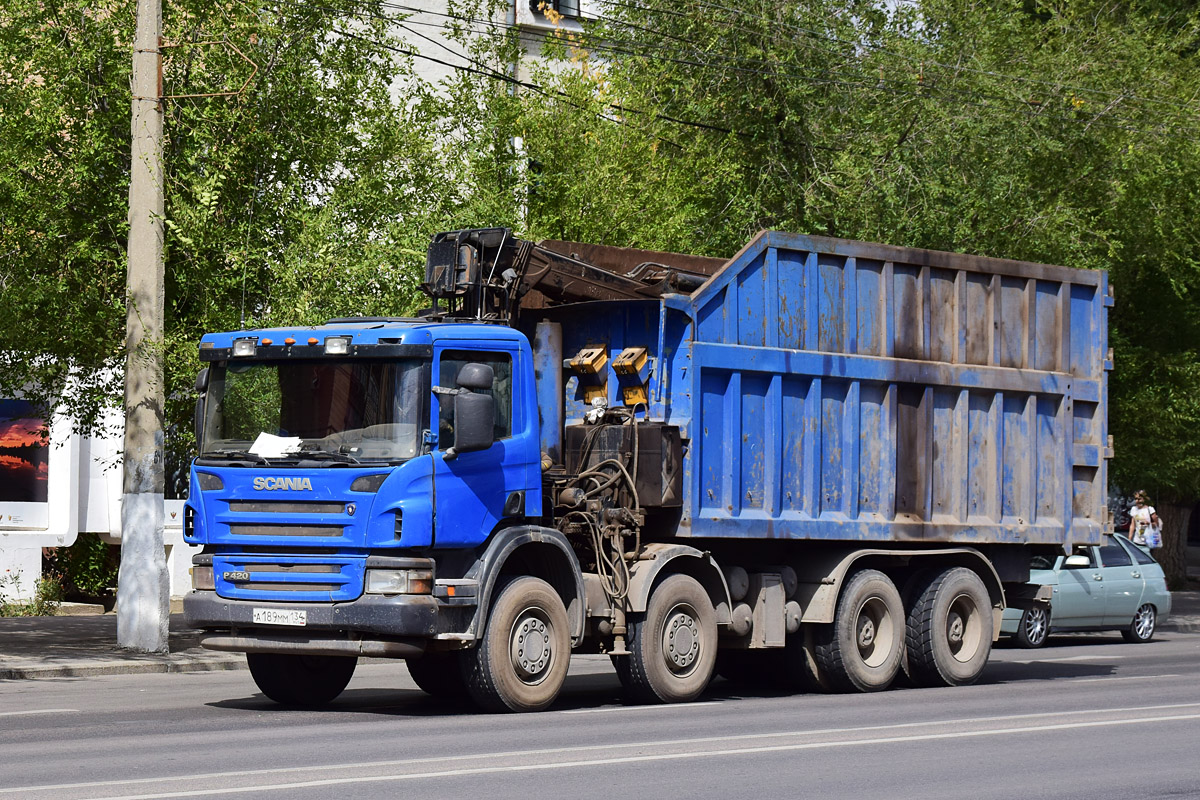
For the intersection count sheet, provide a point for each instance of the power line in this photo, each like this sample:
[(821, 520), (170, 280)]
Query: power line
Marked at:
[(927, 89)]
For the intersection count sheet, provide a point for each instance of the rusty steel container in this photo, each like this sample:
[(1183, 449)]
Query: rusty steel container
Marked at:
[(836, 390)]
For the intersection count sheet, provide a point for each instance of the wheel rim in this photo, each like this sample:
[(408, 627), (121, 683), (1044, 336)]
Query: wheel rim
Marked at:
[(874, 630), (964, 628), (1036, 625), (681, 640), (531, 645), (1143, 623)]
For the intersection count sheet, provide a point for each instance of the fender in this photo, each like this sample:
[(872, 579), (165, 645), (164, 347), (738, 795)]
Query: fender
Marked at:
[(502, 545), (655, 558), (821, 577)]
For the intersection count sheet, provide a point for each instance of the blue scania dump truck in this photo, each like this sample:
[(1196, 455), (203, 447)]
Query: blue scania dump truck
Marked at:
[(820, 461)]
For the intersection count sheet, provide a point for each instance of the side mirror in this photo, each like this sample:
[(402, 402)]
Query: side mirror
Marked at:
[(474, 414), (198, 416), (474, 423), (1077, 562)]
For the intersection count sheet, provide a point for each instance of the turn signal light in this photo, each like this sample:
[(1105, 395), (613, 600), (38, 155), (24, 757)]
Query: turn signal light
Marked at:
[(203, 580)]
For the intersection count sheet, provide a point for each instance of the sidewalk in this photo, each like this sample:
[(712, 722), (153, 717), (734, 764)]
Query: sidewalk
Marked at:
[(80, 646), (75, 647)]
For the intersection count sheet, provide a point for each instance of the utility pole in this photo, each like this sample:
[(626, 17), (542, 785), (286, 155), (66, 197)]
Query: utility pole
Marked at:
[(143, 589)]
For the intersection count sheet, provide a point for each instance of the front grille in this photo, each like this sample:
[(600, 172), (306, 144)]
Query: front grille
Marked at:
[(305, 569), (286, 530), (333, 579), (257, 586), (279, 507)]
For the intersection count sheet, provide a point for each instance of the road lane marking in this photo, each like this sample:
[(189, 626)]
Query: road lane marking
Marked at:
[(609, 709), (1065, 658), (39, 711), (1129, 678), (634, 759), (209, 776)]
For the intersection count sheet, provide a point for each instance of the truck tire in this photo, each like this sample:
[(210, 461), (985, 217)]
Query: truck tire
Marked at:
[(949, 633), (863, 648), (1033, 628), (521, 661), (439, 675), (673, 646), (300, 680)]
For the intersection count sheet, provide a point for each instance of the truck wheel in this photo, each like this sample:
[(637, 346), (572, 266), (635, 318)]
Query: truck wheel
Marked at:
[(949, 634), (673, 647), (864, 646), (299, 680), (1033, 627), (521, 661), (439, 674)]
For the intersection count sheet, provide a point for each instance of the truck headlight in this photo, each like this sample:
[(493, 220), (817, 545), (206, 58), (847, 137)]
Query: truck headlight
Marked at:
[(399, 581), (202, 579)]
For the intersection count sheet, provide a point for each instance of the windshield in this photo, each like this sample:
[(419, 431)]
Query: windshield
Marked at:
[(340, 411)]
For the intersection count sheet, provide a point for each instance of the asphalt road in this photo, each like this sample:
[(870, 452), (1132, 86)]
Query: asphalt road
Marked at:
[(1086, 717)]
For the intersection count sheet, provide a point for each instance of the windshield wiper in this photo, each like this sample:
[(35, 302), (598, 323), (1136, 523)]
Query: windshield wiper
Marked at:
[(242, 455), (324, 455)]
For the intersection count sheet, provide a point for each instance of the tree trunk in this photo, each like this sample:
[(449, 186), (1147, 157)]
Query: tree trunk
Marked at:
[(1173, 554)]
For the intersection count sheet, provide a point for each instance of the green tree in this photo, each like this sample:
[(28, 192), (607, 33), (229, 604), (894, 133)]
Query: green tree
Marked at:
[(1052, 132)]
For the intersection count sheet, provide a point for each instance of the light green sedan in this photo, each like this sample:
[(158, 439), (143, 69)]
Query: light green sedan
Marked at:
[(1115, 586)]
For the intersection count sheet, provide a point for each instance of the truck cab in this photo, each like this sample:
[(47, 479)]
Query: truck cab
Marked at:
[(327, 475)]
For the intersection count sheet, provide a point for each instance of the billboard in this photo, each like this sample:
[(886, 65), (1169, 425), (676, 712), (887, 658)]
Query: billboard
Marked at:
[(24, 467)]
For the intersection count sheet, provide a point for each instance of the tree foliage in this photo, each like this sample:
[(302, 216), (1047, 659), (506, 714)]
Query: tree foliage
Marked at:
[(1051, 132), (308, 194)]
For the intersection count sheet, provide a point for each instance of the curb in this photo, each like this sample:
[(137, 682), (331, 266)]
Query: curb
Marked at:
[(1185, 625), (120, 667)]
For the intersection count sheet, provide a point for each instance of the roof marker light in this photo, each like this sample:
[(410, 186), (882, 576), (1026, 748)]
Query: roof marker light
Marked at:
[(289, 341), (266, 342), (337, 345)]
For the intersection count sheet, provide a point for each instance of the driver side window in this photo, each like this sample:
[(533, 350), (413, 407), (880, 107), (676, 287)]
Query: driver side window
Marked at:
[(454, 360)]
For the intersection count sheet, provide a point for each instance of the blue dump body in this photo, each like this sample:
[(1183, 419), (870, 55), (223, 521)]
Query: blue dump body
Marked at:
[(837, 390)]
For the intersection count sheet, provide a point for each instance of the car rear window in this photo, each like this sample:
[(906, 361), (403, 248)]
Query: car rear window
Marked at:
[(1139, 556)]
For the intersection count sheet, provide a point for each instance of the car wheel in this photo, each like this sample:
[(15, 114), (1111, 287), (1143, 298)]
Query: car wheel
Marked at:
[(1143, 625), (1033, 628)]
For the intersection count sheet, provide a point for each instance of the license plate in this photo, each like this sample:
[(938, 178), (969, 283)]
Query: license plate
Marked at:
[(295, 617)]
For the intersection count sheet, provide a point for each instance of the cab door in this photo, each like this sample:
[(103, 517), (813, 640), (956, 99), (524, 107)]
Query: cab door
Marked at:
[(474, 491)]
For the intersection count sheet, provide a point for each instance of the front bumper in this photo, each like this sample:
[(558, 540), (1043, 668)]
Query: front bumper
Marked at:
[(373, 625)]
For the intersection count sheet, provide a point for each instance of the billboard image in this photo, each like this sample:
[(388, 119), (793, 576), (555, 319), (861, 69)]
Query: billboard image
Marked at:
[(24, 459)]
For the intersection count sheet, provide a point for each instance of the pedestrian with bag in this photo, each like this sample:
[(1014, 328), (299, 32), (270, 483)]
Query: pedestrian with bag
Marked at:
[(1145, 528)]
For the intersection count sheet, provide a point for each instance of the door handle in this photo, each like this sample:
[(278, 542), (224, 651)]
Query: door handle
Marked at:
[(1137, 574), (1097, 577)]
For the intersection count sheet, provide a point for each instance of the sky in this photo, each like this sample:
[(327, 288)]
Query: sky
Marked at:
[(17, 425)]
